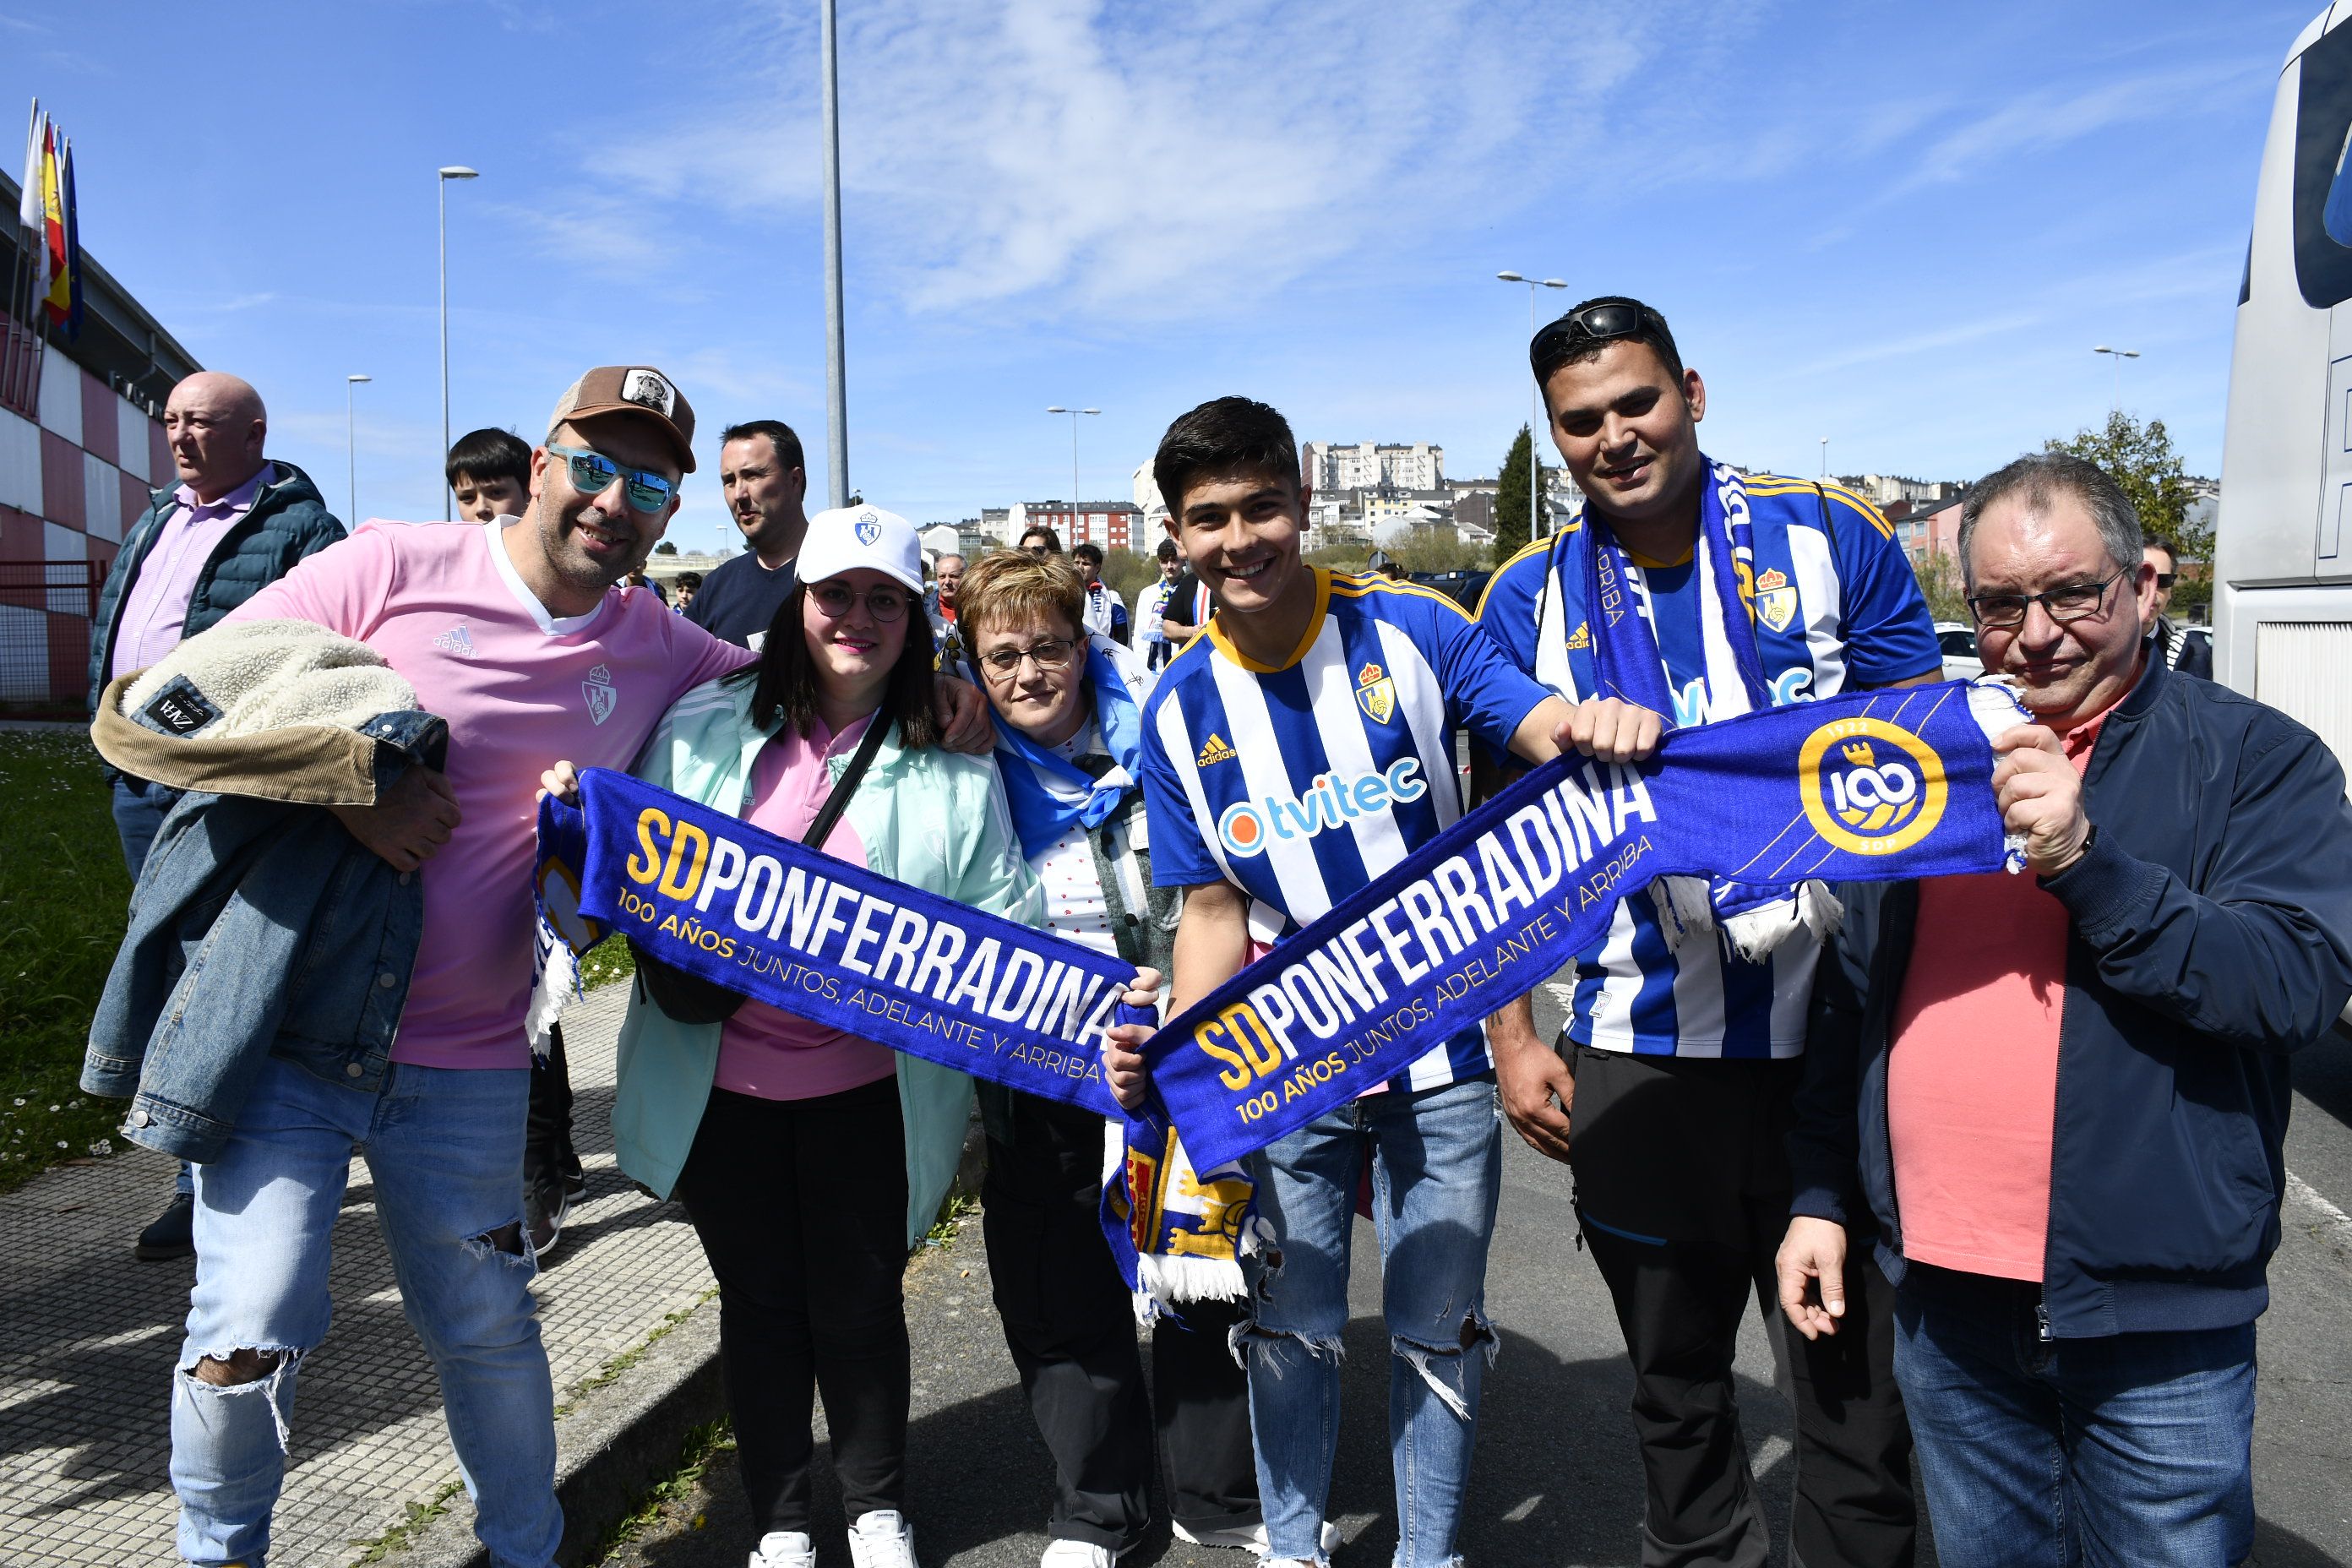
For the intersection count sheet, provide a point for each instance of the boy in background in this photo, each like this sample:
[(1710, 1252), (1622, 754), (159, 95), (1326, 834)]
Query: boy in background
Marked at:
[(489, 473)]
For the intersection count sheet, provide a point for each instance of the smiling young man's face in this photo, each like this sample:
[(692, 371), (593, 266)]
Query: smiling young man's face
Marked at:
[(1240, 533), (1628, 430)]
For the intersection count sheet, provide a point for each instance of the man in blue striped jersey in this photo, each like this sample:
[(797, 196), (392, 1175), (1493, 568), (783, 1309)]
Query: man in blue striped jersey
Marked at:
[(1734, 591), (1304, 746)]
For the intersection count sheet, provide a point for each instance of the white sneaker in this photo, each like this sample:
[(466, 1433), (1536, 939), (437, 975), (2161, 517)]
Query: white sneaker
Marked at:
[(1076, 1555), (784, 1549), (1250, 1537), (882, 1538)]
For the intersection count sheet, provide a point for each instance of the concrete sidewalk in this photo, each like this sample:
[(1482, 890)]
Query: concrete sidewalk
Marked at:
[(90, 1337)]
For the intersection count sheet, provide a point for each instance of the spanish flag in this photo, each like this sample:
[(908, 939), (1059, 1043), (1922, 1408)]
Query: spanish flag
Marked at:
[(56, 269)]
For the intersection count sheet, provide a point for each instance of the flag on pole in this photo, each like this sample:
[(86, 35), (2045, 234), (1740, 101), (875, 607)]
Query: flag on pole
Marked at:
[(73, 251), (57, 297), (28, 199)]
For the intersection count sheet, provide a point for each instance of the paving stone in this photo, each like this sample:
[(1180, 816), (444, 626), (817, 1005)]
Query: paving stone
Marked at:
[(86, 1365)]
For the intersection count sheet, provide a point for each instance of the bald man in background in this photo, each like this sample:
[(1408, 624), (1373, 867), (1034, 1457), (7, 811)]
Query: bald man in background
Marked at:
[(236, 522)]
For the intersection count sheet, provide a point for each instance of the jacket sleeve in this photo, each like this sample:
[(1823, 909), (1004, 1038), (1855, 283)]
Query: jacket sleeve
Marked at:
[(990, 874), (320, 529), (1824, 1132), (2261, 958)]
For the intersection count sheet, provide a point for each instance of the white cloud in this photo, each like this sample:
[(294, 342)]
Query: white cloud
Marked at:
[(2052, 117)]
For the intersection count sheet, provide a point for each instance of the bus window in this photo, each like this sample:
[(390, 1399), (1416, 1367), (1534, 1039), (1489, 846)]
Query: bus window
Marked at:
[(2323, 188)]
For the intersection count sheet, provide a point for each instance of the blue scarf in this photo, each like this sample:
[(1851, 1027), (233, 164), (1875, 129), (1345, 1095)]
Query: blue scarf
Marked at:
[(1048, 792), (1878, 787)]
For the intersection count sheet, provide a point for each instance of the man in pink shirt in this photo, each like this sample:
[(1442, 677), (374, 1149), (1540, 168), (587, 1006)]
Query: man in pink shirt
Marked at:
[(514, 633), (2062, 1095), (236, 521)]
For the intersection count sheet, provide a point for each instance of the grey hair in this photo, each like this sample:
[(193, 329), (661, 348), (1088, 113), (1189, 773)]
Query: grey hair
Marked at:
[(2031, 480)]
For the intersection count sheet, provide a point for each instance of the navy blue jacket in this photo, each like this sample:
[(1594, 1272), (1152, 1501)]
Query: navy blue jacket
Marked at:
[(2210, 935), (289, 521)]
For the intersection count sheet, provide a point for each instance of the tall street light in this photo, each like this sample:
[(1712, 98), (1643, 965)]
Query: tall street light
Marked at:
[(2118, 356), (350, 447), (441, 188), (1536, 421), (1074, 414), (1825, 457), (836, 393)]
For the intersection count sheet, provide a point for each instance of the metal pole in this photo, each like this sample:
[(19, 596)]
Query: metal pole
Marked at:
[(441, 192), (1535, 422), (837, 395), (351, 450)]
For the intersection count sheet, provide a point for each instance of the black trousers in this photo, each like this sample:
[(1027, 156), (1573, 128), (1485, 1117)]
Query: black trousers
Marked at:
[(548, 1155), (1683, 1190), (1070, 1325), (802, 1208)]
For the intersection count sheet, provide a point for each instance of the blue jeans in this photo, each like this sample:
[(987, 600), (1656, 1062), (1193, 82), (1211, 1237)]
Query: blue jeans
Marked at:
[(444, 1148), (140, 809), (1437, 1169), (2129, 1449)]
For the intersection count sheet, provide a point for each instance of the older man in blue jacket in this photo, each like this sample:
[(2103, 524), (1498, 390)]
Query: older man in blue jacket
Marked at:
[(2063, 1094)]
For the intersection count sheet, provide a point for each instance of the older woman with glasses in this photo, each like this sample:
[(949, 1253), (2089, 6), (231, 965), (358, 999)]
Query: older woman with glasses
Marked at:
[(809, 1159), (1070, 737)]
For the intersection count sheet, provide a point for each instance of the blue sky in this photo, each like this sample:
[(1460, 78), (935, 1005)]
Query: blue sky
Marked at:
[(1902, 227)]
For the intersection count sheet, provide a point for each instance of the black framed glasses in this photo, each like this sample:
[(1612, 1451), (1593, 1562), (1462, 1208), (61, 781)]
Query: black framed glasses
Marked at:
[(1600, 324), (592, 474), (835, 599), (2065, 604), (1049, 654)]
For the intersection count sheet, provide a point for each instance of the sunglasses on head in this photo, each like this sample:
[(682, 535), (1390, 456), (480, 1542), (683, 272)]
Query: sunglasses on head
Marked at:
[(592, 474), (1593, 324)]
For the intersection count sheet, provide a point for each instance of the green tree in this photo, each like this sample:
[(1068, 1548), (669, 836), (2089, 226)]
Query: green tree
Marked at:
[(1124, 571), (1939, 584), (1436, 549), (1511, 499), (2140, 458)]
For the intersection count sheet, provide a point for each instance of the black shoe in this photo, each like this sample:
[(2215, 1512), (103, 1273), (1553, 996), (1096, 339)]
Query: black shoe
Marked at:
[(575, 1180), (545, 1206), (173, 1234)]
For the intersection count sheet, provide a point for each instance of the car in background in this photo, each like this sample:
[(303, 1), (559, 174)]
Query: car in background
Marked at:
[(1462, 587), (1957, 639)]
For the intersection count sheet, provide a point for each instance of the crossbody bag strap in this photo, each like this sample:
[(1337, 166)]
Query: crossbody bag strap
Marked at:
[(876, 729)]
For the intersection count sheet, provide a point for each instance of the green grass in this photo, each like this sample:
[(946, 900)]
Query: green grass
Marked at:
[(608, 960), (63, 897)]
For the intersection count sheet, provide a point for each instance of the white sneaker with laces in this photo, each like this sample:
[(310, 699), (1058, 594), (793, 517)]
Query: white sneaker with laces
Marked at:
[(1076, 1555), (1250, 1537), (882, 1538), (784, 1549)]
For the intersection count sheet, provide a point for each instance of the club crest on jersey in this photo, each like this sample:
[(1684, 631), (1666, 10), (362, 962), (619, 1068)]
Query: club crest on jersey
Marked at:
[(1375, 694), (1333, 801), (1776, 600), (600, 694), (869, 528), (1214, 750), (1869, 786), (1581, 637)]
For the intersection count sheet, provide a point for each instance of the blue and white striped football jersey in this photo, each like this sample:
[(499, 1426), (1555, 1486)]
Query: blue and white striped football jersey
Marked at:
[(1301, 782), (1835, 605)]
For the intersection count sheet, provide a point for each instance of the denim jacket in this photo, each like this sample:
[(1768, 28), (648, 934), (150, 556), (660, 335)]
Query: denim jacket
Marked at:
[(259, 927)]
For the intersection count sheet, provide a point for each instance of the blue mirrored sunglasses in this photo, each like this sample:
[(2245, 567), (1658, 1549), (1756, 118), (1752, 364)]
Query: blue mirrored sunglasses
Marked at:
[(592, 474)]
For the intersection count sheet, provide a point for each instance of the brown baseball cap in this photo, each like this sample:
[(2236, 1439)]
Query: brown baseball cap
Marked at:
[(637, 389)]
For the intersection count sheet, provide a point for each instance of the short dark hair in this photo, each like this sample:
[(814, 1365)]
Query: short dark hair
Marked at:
[(785, 676), (489, 454), (2032, 481), (1087, 549), (2158, 541), (788, 445), (1223, 436), (1167, 550), (687, 580), (1546, 355), (1053, 541)]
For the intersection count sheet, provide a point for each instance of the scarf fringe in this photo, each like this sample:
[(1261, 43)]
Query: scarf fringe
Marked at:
[(1685, 910)]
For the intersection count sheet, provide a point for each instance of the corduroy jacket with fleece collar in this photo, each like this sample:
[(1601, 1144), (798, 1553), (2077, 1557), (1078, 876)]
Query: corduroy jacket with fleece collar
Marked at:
[(259, 926), (2208, 936), (289, 519)]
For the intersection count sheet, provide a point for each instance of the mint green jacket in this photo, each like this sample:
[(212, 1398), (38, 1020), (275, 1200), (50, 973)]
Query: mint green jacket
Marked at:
[(930, 819)]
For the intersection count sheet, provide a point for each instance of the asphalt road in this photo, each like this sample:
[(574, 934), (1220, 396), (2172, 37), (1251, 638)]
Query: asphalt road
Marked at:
[(1555, 1479)]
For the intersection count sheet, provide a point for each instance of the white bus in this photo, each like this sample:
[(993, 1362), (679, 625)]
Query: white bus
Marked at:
[(2282, 567)]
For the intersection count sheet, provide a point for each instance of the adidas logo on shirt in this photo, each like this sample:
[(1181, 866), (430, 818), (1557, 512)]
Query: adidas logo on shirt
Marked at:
[(1215, 751), (456, 641)]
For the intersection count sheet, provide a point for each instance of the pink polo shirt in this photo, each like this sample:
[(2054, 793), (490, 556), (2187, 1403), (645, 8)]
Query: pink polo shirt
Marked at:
[(1972, 1076), (155, 607), (520, 689), (763, 1050)]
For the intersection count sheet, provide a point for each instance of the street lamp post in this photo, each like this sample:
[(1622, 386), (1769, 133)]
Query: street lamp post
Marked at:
[(1536, 421), (350, 447), (2118, 356), (836, 392), (441, 187), (1074, 414), (1825, 457)]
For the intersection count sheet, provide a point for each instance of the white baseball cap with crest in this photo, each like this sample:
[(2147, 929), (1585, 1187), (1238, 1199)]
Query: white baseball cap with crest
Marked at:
[(844, 538)]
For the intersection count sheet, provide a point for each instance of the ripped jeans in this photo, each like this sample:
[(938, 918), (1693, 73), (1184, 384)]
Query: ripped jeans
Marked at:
[(1437, 1169), (445, 1148)]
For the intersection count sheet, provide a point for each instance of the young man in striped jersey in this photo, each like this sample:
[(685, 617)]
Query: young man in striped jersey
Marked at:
[(1308, 681), (1678, 1062)]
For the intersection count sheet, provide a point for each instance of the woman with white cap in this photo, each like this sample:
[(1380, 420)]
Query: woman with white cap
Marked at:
[(808, 1159)]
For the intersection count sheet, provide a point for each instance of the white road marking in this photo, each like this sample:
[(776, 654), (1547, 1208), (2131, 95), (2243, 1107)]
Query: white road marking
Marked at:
[(2334, 1225)]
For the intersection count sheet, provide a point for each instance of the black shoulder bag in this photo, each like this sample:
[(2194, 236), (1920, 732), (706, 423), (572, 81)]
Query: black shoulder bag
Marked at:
[(687, 998)]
